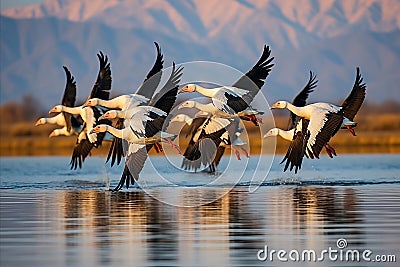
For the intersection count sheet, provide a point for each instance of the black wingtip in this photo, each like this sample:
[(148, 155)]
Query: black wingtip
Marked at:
[(359, 79), (157, 47), (70, 78), (103, 60), (160, 56), (312, 82)]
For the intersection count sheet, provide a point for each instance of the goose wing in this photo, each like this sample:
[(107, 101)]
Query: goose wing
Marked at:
[(133, 166), (229, 101), (196, 124), (165, 98), (203, 150), (300, 99), (296, 150), (69, 97), (353, 102), (80, 152), (147, 121), (217, 159), (83, 144), (153, 78), (116, 149), (102, 86), (322, 126), (256, 75)]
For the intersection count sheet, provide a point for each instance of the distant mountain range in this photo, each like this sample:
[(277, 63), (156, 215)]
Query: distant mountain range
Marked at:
[(330, 38)]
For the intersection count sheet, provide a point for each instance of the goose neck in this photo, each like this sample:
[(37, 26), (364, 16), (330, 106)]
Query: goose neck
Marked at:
[(205, 91)]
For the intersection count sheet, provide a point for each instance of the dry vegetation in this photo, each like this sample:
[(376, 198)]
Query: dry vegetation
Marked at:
[(378, 132)]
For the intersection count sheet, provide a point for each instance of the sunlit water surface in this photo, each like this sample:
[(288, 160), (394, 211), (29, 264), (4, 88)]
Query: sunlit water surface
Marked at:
[(51, 216)]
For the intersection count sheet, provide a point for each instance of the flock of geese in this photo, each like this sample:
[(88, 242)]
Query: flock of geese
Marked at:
[(138, 121)]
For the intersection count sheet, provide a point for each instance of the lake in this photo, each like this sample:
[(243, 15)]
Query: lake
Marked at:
[(335, 212)]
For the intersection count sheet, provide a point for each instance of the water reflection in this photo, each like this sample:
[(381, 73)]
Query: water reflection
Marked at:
[(325, 207), (134, 224), (93, 228)]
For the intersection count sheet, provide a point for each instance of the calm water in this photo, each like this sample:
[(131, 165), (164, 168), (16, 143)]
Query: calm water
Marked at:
[(51, 216)]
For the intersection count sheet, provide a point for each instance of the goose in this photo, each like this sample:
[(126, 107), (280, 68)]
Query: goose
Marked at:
[(295, 123), (163, 101), (230, 140), (321, 121), (214, 132), (59, 120), (206, 135), (70, 125), (142, 129), (237, 98), (86, 140), (144, 93), (215, 111), (124, 102)]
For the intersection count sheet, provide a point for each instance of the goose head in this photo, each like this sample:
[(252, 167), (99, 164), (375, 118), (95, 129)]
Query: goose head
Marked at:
[(272, 132), (190, 88), (182, 118), (102, 128), (187, 104), (40, 121), (279, 104), (56, 109), (111, 114), (91, 102), (54, 133)]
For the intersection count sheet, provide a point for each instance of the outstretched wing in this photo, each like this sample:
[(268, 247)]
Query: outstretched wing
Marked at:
[(353, 102), (196, 123), (80, 152), (101, 88), (69, 97), (133, 166), (153, 78), (165, 98), (83, 145), (301, 99), (296, 150), (256, 75), (116, 149), (203, 150), (322, 127), (234, 103)]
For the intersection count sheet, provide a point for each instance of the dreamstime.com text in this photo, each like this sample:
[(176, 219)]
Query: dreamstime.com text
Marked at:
[(340, 253)]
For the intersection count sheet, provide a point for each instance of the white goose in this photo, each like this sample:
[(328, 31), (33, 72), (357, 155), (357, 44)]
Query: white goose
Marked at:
[(144, 93), (59, 120), (161, 103), (140, 130), (70, 125), (125, 102), (210, 136), (296, 124), (86, 140), (325, 119), (237, 98), (212, 109)]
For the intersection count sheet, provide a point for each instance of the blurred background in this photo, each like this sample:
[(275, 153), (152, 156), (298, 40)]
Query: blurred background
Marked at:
[(330, 38)]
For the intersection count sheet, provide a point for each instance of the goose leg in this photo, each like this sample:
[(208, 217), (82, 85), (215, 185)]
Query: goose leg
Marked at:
[(158, 147), (351, 130), (330, 150), (244, 152), (236, 152), (168, 140)]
